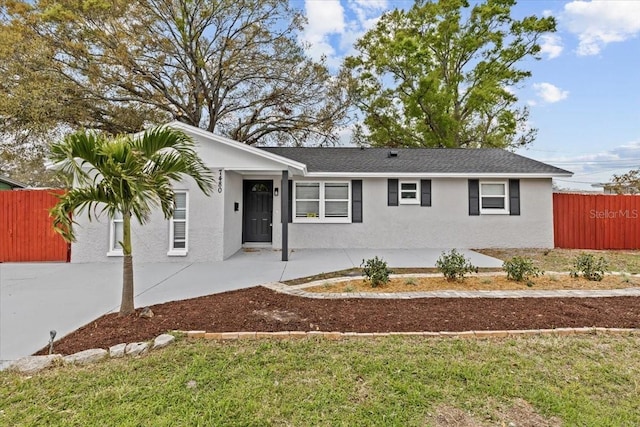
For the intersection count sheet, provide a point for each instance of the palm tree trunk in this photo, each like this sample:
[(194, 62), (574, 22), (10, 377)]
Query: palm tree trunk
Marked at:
[(126, 305)]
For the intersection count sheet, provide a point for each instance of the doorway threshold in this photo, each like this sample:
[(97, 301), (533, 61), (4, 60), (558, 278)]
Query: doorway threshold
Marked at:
[(257, 245)]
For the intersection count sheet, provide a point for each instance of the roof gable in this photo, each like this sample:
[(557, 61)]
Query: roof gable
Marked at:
[(220, 152)]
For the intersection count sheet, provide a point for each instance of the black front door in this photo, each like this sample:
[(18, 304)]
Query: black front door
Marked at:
[(258, 210)]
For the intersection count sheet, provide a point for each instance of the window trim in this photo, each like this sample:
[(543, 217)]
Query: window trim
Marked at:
[(494, 211), (180, 251), (321, 218), (113, 250), (413, 201)]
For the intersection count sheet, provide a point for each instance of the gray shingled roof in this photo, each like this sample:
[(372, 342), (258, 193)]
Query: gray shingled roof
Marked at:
[(414, 160)]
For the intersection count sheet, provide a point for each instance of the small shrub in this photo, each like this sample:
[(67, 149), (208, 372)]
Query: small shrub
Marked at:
[(486, 281), (410, 281), (349, 288), (376, 271), (520, 269), (590, 267), (454, 265), (625, 278)]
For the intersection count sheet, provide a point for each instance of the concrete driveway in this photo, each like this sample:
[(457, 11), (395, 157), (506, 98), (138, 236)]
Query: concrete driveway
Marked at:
[(37, 298)]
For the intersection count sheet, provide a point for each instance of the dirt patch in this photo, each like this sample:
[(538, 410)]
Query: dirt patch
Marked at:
[(244, 310), (283, 316), (450, 416), (522, 414), (519, 413), (474, 283)]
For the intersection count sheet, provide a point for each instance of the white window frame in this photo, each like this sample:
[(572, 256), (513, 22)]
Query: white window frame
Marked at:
[(321, 218), (114, 247), (494, 211), (180, 251), (411, 201)]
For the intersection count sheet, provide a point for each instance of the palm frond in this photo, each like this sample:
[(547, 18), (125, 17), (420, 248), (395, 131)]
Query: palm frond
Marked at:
[(125, 174), (76, 201)]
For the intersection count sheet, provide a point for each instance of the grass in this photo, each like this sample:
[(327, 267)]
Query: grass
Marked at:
[(562, 259), (394, 381)]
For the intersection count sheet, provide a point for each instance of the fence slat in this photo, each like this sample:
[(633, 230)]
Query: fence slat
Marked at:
[(596, 221), (27, 230)]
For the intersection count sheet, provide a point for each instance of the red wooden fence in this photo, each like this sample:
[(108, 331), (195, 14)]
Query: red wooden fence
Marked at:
[(596, 221), (26, 230)]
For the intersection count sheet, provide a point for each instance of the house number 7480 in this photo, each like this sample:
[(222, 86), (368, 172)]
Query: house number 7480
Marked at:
[(220, 181)]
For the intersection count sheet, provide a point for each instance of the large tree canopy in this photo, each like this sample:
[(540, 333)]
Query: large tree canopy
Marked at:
[(439, 75), (232, 67)]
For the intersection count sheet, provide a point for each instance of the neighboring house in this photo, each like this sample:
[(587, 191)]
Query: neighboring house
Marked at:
[(10, 184), (613, 188), (289, 198)]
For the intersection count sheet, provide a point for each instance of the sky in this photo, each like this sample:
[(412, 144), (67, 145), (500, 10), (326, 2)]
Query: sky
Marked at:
[(583, 96)]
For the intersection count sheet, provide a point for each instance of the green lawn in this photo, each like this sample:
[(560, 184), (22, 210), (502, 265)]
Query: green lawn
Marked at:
[(394, 381)]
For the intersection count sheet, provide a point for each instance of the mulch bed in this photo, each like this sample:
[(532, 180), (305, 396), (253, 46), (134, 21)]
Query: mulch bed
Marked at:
[(260, 309)]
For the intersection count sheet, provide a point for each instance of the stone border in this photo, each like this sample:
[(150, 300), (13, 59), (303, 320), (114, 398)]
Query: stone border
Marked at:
[(237, 336), (299, 290), (33, 364)]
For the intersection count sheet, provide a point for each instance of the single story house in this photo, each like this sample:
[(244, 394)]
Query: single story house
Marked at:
[(289, 198)]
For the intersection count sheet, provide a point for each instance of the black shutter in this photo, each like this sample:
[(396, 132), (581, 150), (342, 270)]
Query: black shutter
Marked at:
[(356, 200), (392, 192), (290, 201), (425, 192), (474, 197), (514, 197)]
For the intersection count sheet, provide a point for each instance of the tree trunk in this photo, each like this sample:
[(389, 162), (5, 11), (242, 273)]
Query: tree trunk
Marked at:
[(126, 305)]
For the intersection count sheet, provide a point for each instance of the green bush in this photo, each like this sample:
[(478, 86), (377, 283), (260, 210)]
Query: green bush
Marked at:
[(521, 269), (590, 267), (375, 271), (454, 265)]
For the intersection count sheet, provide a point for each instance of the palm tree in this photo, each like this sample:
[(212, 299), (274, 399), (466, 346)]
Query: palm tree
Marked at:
[(130, 175)]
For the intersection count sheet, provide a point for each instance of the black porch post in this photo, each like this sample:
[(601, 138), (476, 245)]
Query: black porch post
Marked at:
[(284, 214)]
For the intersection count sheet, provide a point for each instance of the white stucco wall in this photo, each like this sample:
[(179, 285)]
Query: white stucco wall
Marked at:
[(151, 241), (232, 238), (446, 224), (215, 228)]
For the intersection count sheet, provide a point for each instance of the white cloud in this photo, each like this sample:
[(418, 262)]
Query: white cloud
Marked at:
[(598, 23), (335, 25), (551, 45), (622, 157), (550, 93), (372, 4), (598, 167), (324, 18)]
